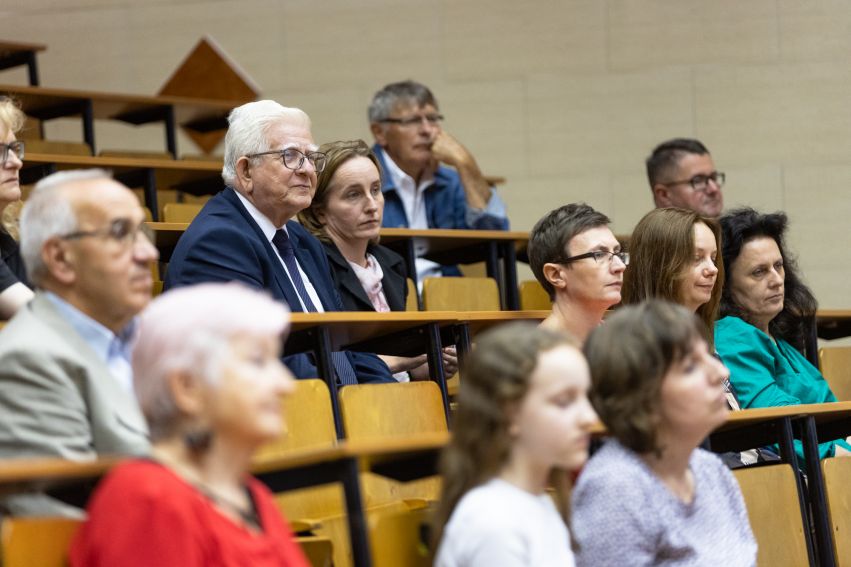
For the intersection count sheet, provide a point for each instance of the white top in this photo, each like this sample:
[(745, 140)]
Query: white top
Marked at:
[(269, 231), (500, 525), (413, 201)]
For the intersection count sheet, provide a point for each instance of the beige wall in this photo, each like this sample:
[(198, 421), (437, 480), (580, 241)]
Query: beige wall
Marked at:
[(565, 98)]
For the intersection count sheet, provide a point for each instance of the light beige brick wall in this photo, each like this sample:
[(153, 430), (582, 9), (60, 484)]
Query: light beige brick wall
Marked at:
[(565, 98)]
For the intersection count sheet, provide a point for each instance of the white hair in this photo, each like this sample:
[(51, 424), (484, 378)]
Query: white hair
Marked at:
[(47, 213), (247, 128), (189, 329)]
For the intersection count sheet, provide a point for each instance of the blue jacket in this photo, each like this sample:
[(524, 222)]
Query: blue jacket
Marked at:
[(224, 244), (445, 203)]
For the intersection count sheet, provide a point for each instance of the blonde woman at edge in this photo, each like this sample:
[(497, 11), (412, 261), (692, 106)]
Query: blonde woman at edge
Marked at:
[(14, 286)]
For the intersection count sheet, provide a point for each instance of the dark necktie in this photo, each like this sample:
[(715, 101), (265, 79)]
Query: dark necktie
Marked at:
[(345, 372)]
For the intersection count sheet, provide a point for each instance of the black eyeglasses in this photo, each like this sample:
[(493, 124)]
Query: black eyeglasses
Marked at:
[(432, 119), (700, 183), (122, 231), (294, 159), (16, 148), (599, 256)]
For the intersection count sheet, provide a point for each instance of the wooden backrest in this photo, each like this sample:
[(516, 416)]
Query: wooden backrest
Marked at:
[(181, 212), (396, 537), (835, 365), (37, 541), (319, 551), (460, 294), (838, 492), (771, 496), (533, 296), (411, 301), (309, 420), (389, 410)]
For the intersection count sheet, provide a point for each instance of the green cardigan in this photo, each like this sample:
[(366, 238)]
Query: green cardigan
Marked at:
[(769, 373)]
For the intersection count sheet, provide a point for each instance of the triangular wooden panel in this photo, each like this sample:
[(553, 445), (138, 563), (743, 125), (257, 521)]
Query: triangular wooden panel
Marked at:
[(208, 72)]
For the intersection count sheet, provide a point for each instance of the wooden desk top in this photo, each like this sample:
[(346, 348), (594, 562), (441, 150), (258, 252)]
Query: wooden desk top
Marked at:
[(23, 475), (397, 333), (479, 321), (367, 451), (118, 106), (186, 175), (741, 418), (824, 315), (20, 47)]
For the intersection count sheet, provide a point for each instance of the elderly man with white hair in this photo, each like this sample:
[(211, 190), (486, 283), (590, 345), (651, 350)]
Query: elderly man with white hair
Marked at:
[(246, 232), (65, 377)]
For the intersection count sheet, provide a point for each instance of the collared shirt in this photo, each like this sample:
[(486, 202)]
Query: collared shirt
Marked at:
[(113, 349), (269, 230), (413, 201)]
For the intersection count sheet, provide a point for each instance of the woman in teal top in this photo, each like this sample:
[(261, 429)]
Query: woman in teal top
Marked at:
[(761, 328)]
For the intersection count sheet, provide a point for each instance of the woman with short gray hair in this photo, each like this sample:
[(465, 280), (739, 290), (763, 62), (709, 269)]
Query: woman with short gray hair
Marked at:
[(209, 379)]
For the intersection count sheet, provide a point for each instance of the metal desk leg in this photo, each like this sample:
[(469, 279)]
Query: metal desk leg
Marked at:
[(358, 533), (509, 274), (88, 113), (32, 69), (818, 500), (411, 265), (463, 343), (492, 266), (170, 133), (787, 455), (151, 193), (325, 366), (434, 355)]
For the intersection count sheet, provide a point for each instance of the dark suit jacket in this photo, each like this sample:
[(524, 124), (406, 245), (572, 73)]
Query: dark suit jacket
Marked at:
[(224, 243), (351, 291)]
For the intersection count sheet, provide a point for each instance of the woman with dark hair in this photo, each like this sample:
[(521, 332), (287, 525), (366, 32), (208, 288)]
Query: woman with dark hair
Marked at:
[(345, 215), (650, 496), (14, 290), (763, 308), (523, 422)]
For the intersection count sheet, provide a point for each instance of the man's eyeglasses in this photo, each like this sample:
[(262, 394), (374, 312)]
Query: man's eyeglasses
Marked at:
[(700, 183), (122, 231), (16, 148), (294, 159), (599, 256), (432, 119)]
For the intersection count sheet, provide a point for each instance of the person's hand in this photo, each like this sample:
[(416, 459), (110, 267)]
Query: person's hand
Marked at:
[(450, 365), (450, 361), (448, 150)]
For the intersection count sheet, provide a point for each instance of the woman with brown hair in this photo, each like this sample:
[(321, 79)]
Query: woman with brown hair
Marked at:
[(650, 495), (523, 422), (675, 254), (345, 215), (14, 287)]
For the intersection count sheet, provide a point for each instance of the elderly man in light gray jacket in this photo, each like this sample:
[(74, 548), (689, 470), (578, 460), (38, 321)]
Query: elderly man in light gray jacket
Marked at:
[(65, 376)]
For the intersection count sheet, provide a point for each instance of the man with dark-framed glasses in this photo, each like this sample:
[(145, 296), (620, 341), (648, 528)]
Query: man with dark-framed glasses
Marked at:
[(682, 174), (246, 233), (419, 190), (65, 376)]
